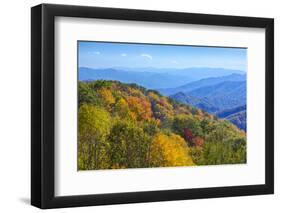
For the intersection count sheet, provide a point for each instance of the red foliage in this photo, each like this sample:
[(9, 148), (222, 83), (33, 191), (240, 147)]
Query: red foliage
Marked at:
[(188, 134), (197, 141), (193, 141)]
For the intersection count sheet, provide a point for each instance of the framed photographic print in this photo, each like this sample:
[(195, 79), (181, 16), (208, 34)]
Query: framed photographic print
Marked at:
[(139, 106)]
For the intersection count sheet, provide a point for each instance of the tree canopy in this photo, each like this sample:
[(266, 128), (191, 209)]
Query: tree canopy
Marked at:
[(126, 126)]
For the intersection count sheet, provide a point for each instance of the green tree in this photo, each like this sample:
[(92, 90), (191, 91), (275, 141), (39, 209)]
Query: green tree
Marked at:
[(121, 108), (86, 95), (224, 145), (128, 145), (94, 126), (186, 121), (127, 126)]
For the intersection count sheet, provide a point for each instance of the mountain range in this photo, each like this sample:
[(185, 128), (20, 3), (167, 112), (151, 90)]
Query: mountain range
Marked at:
[(153, 78), (221, 92), (234, 77), (237, 116), (224, 97), (212, 94)]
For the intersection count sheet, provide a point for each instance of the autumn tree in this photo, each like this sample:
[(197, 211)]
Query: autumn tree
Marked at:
[(197, 141), (140, 108), (169, 150), (128, 145), (127, 126), (121, 108), (161, 107), (182, 122), (151, 127), (94, 126), (224, 146), (106, 97)]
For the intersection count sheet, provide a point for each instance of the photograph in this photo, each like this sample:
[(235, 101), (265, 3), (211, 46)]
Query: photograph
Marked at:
[(145, 105), (140, 105)]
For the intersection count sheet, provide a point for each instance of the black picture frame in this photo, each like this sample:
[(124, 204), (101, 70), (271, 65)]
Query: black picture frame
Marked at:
[(43, 105)]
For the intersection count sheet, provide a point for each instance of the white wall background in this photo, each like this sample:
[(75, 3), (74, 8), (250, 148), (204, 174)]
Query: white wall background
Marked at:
[(15, 105)]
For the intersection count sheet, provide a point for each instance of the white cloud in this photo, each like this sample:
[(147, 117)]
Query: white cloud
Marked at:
[(123, 54), (174, 62), (97, 53), (146, 56)]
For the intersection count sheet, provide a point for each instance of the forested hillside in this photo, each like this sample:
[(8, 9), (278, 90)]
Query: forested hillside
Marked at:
[(236, 116), (216, 96), (127, 126), (222, 96)]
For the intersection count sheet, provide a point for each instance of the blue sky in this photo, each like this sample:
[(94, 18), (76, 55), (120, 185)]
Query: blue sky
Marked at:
[(108, 55)]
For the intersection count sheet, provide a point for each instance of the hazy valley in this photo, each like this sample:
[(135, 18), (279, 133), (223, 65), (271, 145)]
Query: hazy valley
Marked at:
[(221, 92)]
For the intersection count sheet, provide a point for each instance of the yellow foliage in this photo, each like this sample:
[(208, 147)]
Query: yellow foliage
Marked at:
[(135, 92), (106, 96), (117, 166), (181, 110), (153, 97), (140, 108), (165, 102), (169, 151), (122, 107)]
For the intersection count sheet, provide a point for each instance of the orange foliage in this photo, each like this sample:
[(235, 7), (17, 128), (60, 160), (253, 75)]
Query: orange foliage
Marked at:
[(197, 141), (140, 108), (106, 95)]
